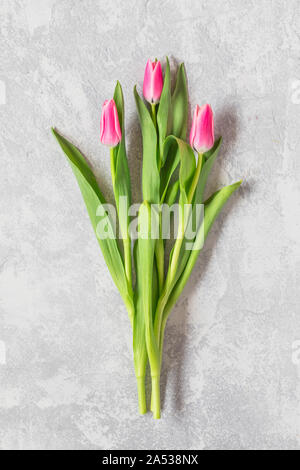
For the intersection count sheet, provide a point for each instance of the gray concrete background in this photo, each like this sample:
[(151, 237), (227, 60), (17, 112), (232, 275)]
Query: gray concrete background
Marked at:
[(231, 374)]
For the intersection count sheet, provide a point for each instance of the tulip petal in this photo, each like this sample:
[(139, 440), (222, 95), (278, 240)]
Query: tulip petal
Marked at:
[(147, 87), (202, 132), (110, 131), (157, 82), (117, 124), (153, 82)]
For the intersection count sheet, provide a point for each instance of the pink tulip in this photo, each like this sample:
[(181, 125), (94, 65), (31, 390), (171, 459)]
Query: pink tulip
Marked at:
[(110, 132), (153, 82), (202, 131)]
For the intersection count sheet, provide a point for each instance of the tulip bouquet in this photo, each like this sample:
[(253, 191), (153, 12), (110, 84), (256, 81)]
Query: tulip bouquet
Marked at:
[(174, 173)]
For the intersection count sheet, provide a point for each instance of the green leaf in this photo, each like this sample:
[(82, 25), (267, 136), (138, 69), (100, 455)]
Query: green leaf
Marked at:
[(76, 158), (175, 151), (139, 343), (172, 193), (172, 156), (215, 204), (210, 158), (212, 208), (122, 185), (150, 178), (186, 174), (145, 263), (187, 167), (163, 113), (94, 200), (179, 103)]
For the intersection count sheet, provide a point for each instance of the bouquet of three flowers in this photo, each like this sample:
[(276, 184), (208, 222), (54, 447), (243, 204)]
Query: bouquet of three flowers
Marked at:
[(174, 174)]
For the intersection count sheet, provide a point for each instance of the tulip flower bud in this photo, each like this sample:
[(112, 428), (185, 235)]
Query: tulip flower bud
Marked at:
[(153, 82), (110, 131), (202, 131)]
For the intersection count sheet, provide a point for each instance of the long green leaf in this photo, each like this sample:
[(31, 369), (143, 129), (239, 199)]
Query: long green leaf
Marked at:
[(94, 200), (212, 208), (179, 103), (150, 177), (139, 344), (122, 186), (163, 113), (145, 263)]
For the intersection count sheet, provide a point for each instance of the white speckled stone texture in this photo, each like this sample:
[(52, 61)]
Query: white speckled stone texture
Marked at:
[(229, 380)]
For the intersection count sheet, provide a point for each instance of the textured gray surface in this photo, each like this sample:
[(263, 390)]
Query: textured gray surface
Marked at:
[(229, 377)]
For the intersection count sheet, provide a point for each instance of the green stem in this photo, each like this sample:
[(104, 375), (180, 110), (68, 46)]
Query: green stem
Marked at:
[(157, 331), (175, 294), (155, 397), (163, 302), (196, 178), (181, 228), (160, 259), (153, 112), (141, 395), (166, 303), (174, 297), (147, 247), (112, 166), (140, 364), (163, 327), (140, 356), (177, 246), (126, 237), (154, 119), (154, 361)]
